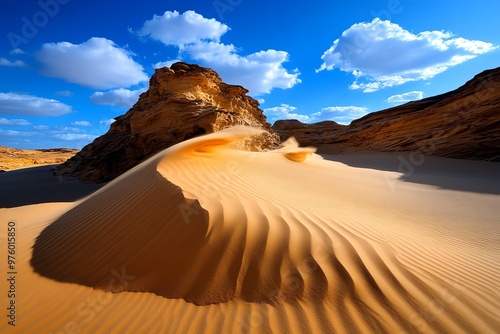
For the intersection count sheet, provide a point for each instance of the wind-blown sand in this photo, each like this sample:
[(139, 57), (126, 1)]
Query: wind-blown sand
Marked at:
[(206, 238)]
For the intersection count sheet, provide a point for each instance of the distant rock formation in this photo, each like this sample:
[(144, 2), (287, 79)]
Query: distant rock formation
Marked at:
[(306, 134), (11, 158), (182, 102), (463, 124)]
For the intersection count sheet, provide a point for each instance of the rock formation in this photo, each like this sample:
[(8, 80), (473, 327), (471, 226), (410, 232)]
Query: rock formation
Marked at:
[(464, 124), (306, 134), (182, 102)]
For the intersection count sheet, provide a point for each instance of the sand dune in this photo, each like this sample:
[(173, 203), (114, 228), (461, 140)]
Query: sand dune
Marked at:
[(207, 238)]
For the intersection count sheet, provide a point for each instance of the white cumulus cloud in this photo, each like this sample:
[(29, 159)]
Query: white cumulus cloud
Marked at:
[(42, 136), (78, 137), (285, 111), (81, 123), (172, 28), (15, 63), (16, 122), (17, 52), (382, 54), (259, 72), (15, 133), (97, 63), (69, 134), (198, 39), (117, 97), (167, 63), (406, 97), (107, 121), (339, 114), (64, 93), (29, 105)]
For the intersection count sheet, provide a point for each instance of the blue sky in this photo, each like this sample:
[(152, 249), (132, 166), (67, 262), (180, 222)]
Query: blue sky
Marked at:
[(68, 67)]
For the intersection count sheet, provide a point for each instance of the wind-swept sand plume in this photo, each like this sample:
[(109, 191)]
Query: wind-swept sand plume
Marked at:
[(207, 238)]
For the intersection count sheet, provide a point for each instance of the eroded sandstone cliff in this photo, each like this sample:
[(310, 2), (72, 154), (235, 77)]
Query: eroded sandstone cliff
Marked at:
[(464, 124), (182, 102)]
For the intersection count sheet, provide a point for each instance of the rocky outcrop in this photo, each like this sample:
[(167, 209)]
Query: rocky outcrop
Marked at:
[(306, 134), (464, 124), (182, 102)]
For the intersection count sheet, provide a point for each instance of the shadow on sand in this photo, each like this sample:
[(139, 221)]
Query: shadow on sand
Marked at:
[(445, 173), (39, 185)]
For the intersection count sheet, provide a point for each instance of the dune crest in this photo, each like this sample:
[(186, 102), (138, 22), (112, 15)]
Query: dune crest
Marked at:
[(141, 205), (211, 224), (182, 102)]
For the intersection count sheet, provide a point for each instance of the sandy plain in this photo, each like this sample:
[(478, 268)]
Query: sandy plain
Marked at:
[(207, 238)]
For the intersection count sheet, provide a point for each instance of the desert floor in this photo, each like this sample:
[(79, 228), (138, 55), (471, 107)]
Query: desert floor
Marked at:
[(12, 159), (205, 238)]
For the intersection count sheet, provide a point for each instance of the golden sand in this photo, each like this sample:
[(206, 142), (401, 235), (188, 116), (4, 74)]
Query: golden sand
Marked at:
[(206, 238)]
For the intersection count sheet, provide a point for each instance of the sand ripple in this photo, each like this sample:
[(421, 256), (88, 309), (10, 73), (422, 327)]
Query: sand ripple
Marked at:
[(281, 231)]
